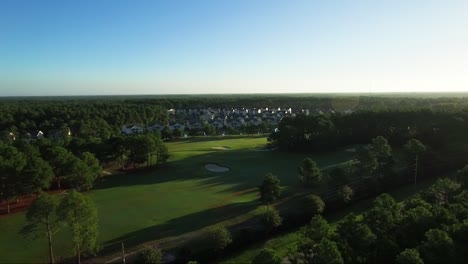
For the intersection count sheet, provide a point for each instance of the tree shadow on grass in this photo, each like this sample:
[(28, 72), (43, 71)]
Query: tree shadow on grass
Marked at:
[(216, 138), (247, 169), (191, 168), (181, 225)]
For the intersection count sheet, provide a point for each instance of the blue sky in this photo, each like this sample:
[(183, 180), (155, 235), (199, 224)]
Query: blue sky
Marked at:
[(242, 46)]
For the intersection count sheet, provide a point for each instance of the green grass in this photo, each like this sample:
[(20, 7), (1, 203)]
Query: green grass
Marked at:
[(176, 199), (284, 243)]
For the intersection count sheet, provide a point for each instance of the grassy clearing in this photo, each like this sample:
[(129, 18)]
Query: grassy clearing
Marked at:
[(176, 199)]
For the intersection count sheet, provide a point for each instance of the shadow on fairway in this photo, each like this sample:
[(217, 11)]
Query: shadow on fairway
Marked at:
[(214, 138), (247, 169), (181, 225), (243, 164)]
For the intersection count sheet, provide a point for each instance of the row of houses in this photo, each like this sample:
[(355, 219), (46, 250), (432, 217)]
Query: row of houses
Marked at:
[(196, 119), (53, 134)]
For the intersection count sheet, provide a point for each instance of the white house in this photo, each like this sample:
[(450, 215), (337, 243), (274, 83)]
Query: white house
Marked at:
[(33, 135), (132, 129)]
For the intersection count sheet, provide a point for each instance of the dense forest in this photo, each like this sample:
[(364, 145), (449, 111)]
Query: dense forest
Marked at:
[(444, 132), (430, 227)]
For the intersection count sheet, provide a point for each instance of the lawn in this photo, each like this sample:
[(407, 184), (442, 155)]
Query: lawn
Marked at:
[(176, 199)]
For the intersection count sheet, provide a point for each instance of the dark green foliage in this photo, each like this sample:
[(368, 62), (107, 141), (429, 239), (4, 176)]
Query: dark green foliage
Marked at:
[(318, 229), (409, 256), (381, 150), (42, 219), (150, 256), (346, 193), (326, 252), (218, 238), (415, 147), (80, 176), (36, 176), (309, 173), (384, 216), (314, 204), (80, 214), (271, 218), (437, 246), (356, 239), (267, 256), (443, 190), (367, 162), (270, 190)]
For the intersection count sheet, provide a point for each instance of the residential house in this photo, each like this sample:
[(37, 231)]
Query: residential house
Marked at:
[(132, 129), (33, 135), (218, 123)]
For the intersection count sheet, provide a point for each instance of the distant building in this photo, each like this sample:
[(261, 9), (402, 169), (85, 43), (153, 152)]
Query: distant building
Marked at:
[(132, 129)]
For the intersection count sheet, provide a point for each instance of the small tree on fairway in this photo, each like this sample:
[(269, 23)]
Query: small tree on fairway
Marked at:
[(267, 256), (309, 173), (346, 193), (314, 204), (79, 212), (270, 190), (218, 237), (271, 219), (41, 218), (409, 256), (150, 256)]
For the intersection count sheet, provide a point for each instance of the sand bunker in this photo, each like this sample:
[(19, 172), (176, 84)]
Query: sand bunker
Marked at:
[(216, 168), (221, 148)]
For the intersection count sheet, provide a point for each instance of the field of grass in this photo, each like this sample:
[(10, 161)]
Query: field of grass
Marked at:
[(176, 199), (285, 242)]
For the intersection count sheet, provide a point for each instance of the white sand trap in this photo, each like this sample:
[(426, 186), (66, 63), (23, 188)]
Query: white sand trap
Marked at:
[(216, 168), (221, 148)]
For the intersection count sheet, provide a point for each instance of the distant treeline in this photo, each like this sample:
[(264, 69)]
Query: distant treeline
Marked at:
[(103, 116), (445, 132)]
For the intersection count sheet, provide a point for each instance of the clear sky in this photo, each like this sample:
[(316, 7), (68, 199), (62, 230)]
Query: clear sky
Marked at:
[(235, 46)]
